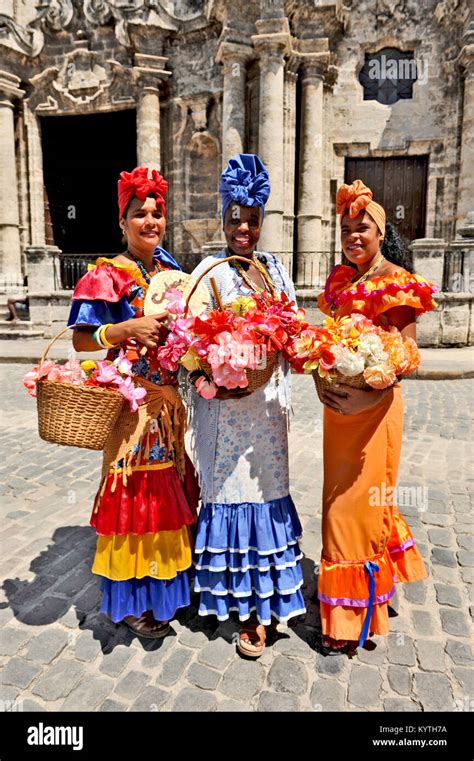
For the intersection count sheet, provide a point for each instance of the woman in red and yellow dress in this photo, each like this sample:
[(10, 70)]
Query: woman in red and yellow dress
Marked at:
[(367, 544), (145, 508)]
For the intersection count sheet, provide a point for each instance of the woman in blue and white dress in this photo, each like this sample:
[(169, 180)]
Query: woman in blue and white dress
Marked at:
[(247, 553)]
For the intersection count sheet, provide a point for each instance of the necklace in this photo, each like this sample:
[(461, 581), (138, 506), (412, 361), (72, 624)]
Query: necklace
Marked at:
[(269, 285), (146, 275), (369, 271)]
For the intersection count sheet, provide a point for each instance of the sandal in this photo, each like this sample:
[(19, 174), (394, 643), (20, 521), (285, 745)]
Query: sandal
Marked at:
[(146, 626), (327, 649), (252, 638)]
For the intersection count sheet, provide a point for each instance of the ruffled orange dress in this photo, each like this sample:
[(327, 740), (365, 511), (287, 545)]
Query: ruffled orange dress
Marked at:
[(367, 544)]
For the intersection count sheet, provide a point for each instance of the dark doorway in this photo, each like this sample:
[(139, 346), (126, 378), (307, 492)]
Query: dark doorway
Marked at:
[(82, 159), (399, 184)]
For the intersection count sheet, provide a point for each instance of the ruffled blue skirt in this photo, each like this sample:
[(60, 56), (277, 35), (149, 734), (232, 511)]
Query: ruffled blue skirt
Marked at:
[(135, 596), (248, 560)]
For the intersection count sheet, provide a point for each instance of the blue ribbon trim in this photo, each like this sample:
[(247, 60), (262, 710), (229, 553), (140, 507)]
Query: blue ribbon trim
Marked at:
[(370, 567)]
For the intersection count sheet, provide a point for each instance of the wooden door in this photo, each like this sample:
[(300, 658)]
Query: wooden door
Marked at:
[(399, 184)]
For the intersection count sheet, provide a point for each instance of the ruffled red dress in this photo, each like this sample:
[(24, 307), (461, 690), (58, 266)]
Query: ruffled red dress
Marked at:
[(145, 509)]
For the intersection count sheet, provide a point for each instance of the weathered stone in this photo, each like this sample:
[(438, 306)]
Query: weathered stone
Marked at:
[(114, 663), (448, 595), (328, 695), (132, 684), (203, 677), (287, 675), (441, 537), (233, 706), (465, 677), (399, 678), (19, 673), (174, 666), (47, 645), (217, 654), (454, 622), (431, 655), (423, 621), (88, 695), (112, 706), (415, 592), (242, 680), (400, 705), (87, 646), (279, 702), (434, 691), (364, 686), (443, 557), (59, 680), (194, 699), (12, 640), (460, 652), (150, 700), (400, 649)]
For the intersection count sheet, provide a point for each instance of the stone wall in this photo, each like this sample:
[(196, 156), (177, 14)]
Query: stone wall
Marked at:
[(210, 78)]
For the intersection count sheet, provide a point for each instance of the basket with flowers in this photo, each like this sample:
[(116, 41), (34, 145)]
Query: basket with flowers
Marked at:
[(80, 402), (235, 346), (354, 351)]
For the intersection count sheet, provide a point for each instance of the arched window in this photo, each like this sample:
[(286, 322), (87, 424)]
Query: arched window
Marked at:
[(388, 76)]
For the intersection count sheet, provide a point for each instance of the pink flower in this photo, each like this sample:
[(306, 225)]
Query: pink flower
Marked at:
[(108, 374), (205, 388), (29, 381), (172, 351), (123, 365), (131, 392), (175, 303), (227, 376)]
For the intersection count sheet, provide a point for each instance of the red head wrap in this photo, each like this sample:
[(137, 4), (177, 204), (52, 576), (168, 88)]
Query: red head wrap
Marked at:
[(137, 183)]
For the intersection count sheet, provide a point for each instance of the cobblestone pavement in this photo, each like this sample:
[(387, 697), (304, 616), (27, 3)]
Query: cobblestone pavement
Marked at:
[(58, 653)]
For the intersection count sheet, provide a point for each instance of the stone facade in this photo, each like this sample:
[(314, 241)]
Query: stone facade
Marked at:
[(210, 78)]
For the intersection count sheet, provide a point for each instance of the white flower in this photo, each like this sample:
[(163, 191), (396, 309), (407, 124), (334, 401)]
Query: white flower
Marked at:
[(371, 348), (348, 362)]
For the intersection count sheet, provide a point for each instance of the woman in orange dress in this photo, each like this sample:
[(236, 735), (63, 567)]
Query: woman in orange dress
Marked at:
[(367, 544)]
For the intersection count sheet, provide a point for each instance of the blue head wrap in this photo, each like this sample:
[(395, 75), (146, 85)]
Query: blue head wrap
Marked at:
[(244, 182)]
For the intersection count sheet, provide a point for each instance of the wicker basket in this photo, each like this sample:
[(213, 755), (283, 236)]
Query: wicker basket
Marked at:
[(322, 384), (256, 378), (73, 415)]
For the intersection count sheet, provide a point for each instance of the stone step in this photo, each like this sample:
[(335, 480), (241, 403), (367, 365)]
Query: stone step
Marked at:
[(12, 331)]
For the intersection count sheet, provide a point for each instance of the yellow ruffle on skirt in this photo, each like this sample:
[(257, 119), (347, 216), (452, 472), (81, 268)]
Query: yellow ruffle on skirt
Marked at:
[(132, 556)]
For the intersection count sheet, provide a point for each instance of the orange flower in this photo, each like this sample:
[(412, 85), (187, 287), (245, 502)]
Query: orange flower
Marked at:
[(380, 376)]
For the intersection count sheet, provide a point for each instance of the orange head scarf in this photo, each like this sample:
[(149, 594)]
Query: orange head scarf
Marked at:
[(356, 197)]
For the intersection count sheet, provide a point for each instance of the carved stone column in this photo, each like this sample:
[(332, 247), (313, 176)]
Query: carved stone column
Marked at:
[(272, 43), (234, 58), (148, 71), (310, 190), (466, 171), (36, 177), (289, 157), (10, 249)]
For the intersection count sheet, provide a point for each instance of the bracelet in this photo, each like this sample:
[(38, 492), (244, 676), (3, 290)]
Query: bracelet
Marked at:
[(100, 339), (97, 339), (105, 343)]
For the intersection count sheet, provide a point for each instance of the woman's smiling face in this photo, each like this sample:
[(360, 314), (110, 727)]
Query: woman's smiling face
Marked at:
[(360, 238), (145, 224), (242, 226)]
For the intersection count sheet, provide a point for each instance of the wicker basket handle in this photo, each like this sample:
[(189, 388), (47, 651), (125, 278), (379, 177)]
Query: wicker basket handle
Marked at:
[(206, 272), (53, 340)]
